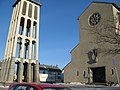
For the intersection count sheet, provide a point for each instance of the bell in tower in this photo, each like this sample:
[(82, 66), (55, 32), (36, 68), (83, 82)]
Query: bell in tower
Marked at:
[(20, 62)]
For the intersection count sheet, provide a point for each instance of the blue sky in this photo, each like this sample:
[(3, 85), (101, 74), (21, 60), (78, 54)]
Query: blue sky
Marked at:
[(59, 29)]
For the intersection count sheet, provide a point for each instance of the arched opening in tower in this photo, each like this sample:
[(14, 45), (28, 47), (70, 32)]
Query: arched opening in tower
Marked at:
[(16, 71), (28, 28), (25, 66), (33, 50), (26, 49), (34, 29), (19, 47), (21, 27), (33, 72)]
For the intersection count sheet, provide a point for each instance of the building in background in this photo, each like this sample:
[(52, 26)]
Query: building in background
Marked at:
[(88, 64), (20, 62), (50, 74)]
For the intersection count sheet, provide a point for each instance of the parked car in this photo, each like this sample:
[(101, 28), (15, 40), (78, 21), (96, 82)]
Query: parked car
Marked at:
[(35, 86)]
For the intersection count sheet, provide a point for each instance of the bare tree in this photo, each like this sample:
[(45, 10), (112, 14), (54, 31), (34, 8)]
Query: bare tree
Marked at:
[(106, 36)]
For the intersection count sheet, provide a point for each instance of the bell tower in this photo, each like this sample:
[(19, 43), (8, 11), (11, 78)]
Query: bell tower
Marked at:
[(20, 62)]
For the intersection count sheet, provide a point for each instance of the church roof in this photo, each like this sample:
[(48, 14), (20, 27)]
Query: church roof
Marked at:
[(115, 5), (27, 0)]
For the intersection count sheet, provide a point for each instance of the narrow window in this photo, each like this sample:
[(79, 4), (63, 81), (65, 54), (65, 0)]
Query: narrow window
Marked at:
[(112, 72), (21, 26), (84, 74), (30, 10), (77, 73), (33, 50), (35, 13), (24, 8)]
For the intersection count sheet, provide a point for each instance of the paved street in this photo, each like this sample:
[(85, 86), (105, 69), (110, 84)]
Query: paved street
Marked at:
[(80, 87), (91, 87)]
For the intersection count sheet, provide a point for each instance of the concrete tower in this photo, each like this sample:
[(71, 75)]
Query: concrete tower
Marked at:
[(20, 62)]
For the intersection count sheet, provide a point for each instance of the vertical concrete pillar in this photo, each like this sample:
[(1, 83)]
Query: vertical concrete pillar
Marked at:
[(7, 69), (20, 72), (29, 73), (4, 70), (32, 73), (11, 71), (90, 79), (36, 70)]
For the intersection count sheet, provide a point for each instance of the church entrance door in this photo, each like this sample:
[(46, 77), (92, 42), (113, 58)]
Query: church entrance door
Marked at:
[(98, 74)]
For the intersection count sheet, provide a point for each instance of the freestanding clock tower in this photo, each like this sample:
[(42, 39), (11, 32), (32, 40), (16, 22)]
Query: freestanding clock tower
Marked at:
[(20, 62)]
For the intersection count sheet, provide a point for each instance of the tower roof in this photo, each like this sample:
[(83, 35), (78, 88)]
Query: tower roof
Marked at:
[(16, 2)]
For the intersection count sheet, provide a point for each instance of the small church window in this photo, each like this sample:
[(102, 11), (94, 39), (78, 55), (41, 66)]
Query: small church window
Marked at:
[(84, 73), (112, 72), (24, 8), (77, 73)]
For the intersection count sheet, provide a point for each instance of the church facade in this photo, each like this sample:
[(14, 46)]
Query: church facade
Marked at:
[(88, 64)]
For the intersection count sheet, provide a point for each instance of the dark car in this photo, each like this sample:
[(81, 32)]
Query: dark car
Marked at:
[(35, 86)]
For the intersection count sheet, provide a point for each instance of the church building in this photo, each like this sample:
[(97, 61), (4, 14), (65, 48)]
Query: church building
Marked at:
[(96, 59)]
